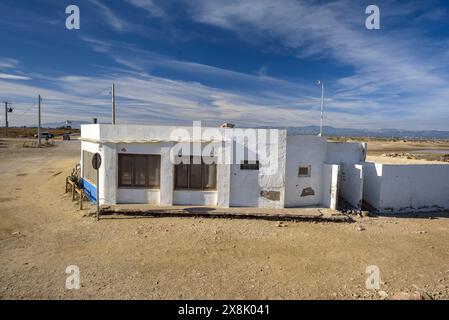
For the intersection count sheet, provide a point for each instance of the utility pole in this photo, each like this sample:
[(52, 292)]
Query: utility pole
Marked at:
[(39, 122), (7, 110), (113, 103), (319, 82)]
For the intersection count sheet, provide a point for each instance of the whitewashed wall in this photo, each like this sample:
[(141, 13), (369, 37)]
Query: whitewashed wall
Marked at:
[(195, 197), (235, 187), (351, 184), (304, 150), (372, 181), (128, 195), (256, 188), (408, 188), (346, 152), (330, 185), (107, 172), (272, 172)]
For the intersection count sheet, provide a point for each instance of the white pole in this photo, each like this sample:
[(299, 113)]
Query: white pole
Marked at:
[(322, 107), (98, 194), (113, 103)]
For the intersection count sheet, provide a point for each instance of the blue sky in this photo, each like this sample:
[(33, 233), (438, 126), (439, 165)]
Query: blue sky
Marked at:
[(252, 63)]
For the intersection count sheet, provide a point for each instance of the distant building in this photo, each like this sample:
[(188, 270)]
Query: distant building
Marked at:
[(227, 125)]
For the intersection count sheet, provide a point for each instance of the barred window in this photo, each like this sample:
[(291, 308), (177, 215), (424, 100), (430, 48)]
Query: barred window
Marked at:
[(196, 176), (304, 171), (139, 171)]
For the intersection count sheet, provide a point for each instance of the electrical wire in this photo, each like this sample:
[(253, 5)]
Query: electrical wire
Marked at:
[(85, 97), (25, 112)]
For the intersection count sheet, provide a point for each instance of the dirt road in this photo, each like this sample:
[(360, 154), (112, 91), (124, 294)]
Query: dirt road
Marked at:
[(42, 232)]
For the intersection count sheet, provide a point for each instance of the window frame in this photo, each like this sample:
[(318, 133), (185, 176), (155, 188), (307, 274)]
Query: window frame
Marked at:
[(250, 165), (133, 171), (189, 167), (309, 171)]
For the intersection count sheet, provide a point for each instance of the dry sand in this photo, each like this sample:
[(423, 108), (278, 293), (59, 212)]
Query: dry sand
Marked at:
[(377, 149), (42, 232)]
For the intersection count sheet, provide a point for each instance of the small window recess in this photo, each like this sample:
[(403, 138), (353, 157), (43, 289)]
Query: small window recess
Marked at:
[(304, 171)]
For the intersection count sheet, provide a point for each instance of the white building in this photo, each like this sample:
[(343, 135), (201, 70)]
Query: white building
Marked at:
[(223, 167)]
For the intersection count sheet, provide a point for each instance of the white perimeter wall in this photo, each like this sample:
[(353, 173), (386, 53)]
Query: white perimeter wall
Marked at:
[(407, 188), (372, 181), (346, 152), (330, 185), (351, 184)]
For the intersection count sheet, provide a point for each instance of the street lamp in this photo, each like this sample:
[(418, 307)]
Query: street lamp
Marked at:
[(319, 82)]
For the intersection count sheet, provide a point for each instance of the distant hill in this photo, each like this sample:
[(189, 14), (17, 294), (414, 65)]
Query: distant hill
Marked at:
[(329, 131), (370, 133)]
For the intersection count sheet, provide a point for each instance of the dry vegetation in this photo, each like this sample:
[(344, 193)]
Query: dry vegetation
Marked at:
[(404, 151), (30, 132)]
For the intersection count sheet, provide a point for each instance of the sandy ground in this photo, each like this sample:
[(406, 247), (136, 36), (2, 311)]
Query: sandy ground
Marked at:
[(42, 232), (377, 148)]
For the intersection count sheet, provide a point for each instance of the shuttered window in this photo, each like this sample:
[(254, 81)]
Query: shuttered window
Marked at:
[(196, 176), (139, 171)]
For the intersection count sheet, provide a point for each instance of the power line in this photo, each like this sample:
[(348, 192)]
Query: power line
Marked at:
[(26, 111), (84, 97)]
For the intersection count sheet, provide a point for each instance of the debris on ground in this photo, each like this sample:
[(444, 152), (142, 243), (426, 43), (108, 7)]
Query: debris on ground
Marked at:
[(382, 294)]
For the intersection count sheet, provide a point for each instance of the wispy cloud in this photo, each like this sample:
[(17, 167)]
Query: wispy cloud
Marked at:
[(8, 63), (7, 76), (149, 6), (389, 65), (394, 77), (111, 18)]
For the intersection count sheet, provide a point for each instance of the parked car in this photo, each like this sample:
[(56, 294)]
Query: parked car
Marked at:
[(46, 135)]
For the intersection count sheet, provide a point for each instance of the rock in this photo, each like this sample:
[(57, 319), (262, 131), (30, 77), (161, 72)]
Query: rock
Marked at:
[(364, 213), (361, 228), (425, 295), (16, 233), (382, 294), (422, 232)]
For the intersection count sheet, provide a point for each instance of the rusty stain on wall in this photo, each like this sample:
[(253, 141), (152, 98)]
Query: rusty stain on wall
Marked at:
[(307, 192)]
